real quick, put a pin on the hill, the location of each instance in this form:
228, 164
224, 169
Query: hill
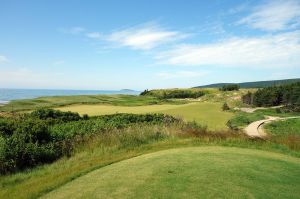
258, 84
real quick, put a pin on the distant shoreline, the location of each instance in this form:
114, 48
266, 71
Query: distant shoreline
7, 95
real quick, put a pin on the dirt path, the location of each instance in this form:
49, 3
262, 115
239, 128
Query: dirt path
255, 129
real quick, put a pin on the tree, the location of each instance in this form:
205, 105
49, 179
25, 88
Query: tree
145, 92
248, 98
230, 87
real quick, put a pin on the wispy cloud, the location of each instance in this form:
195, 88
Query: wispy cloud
144, 37
3, 59
58, 62
281, 50
274, 16
17, 77
181, 74
94, 35
72, 30
239, 8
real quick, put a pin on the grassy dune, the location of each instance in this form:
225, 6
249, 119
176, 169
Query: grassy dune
199, 172
57, 101
205, 113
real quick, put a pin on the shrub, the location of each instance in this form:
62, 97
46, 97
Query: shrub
225, 107
45, 114
30, 139
174, 93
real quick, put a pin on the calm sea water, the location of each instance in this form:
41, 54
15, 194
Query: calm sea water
7, 95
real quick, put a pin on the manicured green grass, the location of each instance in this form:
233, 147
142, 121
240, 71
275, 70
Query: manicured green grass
55, 101
101, 109
284, 128
204, 113
199, 172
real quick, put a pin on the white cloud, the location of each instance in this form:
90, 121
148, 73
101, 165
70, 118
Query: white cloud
73, 30
181, 74
94, 35
146, 37
281, 50
274, 16
3, 59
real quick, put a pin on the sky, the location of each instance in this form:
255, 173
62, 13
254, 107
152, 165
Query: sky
142, 44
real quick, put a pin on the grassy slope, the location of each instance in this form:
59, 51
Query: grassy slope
56, 101
210, 172
205, 113
284, 128
105, 149
93, 110
258, 84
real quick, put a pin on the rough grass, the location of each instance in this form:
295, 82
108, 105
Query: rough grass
204, 113
107, 148
199, 172
284, 128
242, 119
56, 101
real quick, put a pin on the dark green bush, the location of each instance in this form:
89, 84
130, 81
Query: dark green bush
225, 107
175, 93
55, 114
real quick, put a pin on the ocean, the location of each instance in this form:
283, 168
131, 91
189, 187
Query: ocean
7, 95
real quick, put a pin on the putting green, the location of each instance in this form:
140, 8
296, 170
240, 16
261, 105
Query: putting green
196, 172
205, 113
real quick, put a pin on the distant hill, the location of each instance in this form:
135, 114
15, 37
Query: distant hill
128, 90
258, 84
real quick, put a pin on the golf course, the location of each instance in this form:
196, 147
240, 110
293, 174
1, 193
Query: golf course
197, 172
209, 114
166, 143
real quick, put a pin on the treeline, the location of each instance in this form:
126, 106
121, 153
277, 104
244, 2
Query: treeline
45, 135
230, 87
287, 95
174, 93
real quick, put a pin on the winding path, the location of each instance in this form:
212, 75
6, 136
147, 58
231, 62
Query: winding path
255, 129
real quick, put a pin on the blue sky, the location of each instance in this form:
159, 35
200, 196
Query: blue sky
139, 44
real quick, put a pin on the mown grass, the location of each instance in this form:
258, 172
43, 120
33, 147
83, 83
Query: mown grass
93, 110
204, 113
106, 148
194, 172
57, 101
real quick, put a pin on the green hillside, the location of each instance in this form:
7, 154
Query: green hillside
258, 84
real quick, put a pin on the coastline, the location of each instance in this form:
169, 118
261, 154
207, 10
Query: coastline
7, 95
